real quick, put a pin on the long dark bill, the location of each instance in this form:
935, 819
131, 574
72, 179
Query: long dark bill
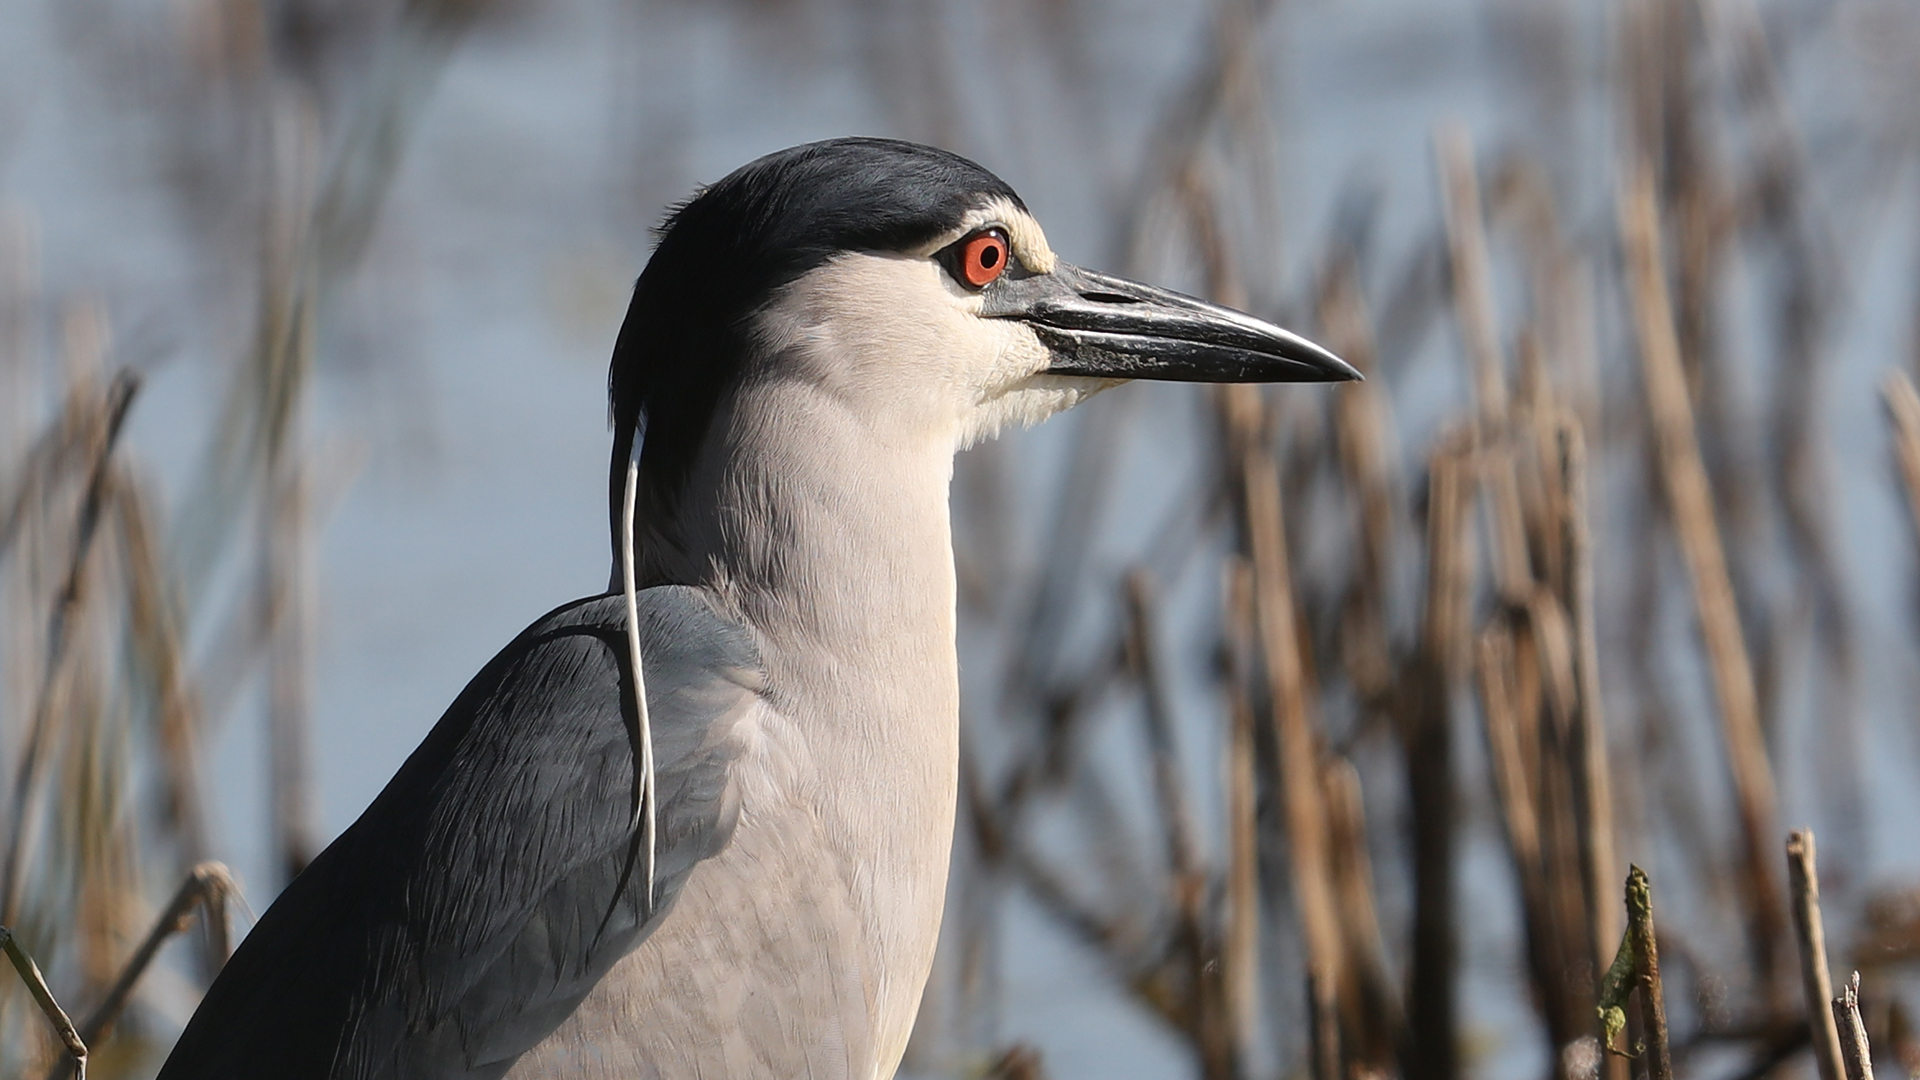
1111, 328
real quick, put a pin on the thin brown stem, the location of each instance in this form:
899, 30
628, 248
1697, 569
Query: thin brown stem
1472, 277
1595, 770
1690, 501
1370, 995
1646, 973
112, 415
1240, 949
1176, 814
207, 887
1803, 881
1295, 740
1429, 1052
1854, 1051
1204, 1008
1473, 306
1365, 443
37, 986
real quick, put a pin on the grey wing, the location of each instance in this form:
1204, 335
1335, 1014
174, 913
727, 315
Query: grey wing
498, 876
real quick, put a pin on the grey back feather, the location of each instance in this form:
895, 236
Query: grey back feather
498, 877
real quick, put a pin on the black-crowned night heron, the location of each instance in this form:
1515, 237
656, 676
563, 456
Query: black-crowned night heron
698, 826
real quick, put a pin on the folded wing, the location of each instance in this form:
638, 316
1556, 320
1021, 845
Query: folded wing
499, 875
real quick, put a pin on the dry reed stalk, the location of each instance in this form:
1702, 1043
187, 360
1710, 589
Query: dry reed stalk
1222, 87
208, 888
316, 231
84, 744
1593, 766
69, 438
1323, 1027
1472, 275
1473, 307
1780, 204
37, 985
1036, 685
1417, 298
1658, 130
1532, 770
1666, 131
1535, 422
1854, 1051
1176, 812
287, 591
1136, 958
285, 365
1536, 687
1364, 441
1427, 721
1511, 775
1783, 212
107, 415
1560, 315
1240, 946
1370, 993
1179, 967
1903, 414
1804, 882
1690, 502
1217, 265
155, 632
1295, 737
1646, 973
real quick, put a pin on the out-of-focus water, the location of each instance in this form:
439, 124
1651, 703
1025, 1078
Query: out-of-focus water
460, 415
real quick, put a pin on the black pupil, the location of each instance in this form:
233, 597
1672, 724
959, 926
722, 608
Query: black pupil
989, 255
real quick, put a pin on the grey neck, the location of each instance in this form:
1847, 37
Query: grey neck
826, 529
828, 534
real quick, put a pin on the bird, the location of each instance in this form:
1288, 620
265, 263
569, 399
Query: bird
699, 825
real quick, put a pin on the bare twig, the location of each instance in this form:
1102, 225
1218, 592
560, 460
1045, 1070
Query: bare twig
23, 821
1296, 743
1472, 278
1368, 454
1240, 947
1646, 971
1473, 305
1208, 1020
37, 985
1636, 966
286, 591
1512, 782
207, 887
1854, 1050
1595, 772
1691, 503
1175, 814
1804, 882
155, 630
1370, 995
1427, 719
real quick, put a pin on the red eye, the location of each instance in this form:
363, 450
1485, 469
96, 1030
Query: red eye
984, 257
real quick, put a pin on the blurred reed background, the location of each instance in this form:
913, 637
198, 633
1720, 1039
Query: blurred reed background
1307, 732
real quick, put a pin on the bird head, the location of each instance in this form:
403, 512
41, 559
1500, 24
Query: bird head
910, 286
